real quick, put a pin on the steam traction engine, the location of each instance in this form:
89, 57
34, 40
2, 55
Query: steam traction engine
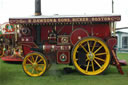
83, 41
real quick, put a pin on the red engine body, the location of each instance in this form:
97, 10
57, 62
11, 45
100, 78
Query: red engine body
59, 34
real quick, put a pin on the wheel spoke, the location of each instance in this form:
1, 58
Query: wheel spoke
92, 66
41, 64
33, 70
29, 68
100, 59
36, 59
88, 46
32, 58
87, 66
93, 46
39, 69
98, 49
29, 60
40, 60
87, 59
97, 63
83, 48
100, 54
36, 71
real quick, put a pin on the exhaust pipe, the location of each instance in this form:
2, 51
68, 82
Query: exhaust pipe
37, 7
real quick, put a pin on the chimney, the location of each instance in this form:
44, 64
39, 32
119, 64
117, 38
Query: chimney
37, 7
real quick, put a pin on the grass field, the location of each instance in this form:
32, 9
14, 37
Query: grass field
12, 74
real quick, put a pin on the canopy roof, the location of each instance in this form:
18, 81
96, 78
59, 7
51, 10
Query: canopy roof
64, 19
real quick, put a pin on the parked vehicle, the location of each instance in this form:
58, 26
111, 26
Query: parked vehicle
85, 41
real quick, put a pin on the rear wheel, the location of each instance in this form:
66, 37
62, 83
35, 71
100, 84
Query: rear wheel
91, 56
35, 64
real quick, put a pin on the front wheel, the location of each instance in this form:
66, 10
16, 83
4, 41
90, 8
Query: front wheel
91, 56
35, 64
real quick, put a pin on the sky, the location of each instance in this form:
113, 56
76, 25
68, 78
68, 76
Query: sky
24, 8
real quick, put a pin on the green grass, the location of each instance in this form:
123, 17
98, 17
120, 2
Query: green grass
12, 74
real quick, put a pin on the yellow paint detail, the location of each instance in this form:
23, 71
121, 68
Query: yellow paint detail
92, 66
34, 64
87, 66
100, 54
93, 46
84, 48
99, 59
96, 60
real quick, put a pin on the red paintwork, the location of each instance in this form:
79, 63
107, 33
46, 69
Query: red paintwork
72, 27
67, 53
98, 30
112, 42
88, 29
10, 58
26, 49
63, 40
78, 34
54, 48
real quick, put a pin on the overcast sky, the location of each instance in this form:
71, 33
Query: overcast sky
23, 8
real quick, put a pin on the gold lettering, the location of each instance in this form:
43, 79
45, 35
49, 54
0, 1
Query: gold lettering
99, 19
68, 20
109, 19
34, 20
118, 18
50, 20
17, 21
45, 20
102, 19
93, 19
29, 21
59, 20
54, 20
63, 20
96, 19
73, 19
87, 19
106, 19
112, 19
37, 20
41, 20
80, 19
21, 21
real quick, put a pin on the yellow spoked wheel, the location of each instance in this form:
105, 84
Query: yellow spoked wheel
1, 52
91, 56
35, 64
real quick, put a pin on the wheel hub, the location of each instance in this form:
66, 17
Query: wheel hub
35, 65
91, 56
